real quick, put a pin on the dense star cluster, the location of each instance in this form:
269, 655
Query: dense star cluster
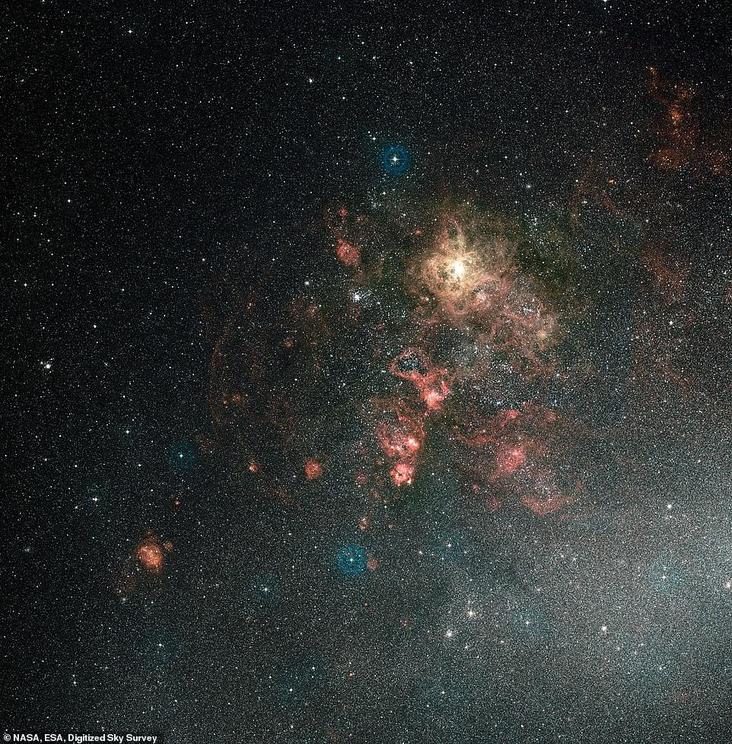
369, 372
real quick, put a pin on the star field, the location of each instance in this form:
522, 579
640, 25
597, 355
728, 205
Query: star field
368, 372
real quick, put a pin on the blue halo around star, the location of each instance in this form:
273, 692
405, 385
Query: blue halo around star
395, 160
182, 456
351, 560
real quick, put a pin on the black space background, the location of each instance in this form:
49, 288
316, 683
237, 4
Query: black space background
151, 151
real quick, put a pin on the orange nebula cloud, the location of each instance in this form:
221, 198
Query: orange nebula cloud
683, 144
348, 253
402, 474
431, 382
512, 455
401, 436
150, 553
669, 275
509, 458
313, 468
470, 279
547, 498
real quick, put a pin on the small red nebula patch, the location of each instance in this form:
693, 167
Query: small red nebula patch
147, 559
348, 253
546, 498
509, 458
431, 381
313, 469
372, 564
151, 554
669, 276
545, 504
493, 504
401, 438
234, 399
396, 442
375, 495
434, 393
402, 474
506, 416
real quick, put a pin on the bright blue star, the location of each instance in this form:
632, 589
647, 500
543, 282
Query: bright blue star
395, 160
182, 456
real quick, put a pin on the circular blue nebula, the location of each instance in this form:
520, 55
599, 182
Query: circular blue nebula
351, 560
395, 160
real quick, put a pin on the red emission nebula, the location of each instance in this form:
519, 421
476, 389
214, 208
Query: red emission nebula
430, 340
462, 278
